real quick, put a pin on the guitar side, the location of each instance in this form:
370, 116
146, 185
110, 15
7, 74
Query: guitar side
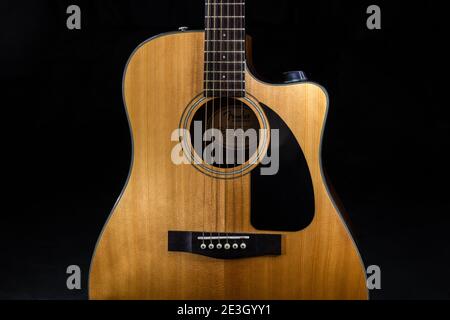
131, 260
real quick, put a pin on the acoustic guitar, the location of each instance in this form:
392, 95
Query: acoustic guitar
226, 196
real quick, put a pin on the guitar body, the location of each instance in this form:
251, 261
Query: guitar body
132, 260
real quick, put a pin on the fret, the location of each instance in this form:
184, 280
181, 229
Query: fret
225, 47
221, 51
214, 90
224, 93
225, 81
220, 77
232, 86
230, 62
225, 29
238, 76
225, 4
225, 17
226, 65
224, 22
224, 77
218, 20
216, 71
222, 56
226, 40
213, 35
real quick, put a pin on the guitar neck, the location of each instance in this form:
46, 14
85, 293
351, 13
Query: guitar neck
224, 48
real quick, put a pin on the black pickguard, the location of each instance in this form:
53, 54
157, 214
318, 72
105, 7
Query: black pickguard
285, 201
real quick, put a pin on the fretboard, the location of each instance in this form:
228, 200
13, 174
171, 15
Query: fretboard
225, 48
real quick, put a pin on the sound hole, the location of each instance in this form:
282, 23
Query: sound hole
225, 132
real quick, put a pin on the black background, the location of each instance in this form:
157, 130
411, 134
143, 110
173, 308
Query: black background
67, 147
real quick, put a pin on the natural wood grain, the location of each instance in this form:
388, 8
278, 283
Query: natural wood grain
131, 260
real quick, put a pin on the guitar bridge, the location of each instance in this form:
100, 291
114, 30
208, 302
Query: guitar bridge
225, 245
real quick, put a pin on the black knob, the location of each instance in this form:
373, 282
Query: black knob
294, 76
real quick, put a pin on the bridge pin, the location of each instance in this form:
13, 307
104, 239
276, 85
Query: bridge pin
243, 246
235, 246
211, 246
227, 246
203, 246
219, 246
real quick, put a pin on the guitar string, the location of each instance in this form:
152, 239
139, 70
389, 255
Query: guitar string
213, 118
227, 49
242, 83
234, 117
213, 101
205, 123
219, 181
